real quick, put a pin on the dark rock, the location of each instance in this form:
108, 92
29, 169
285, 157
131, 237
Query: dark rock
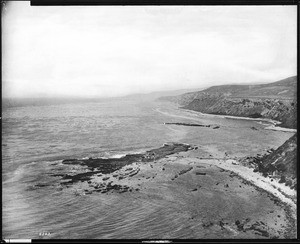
207, 224
42, 185
255, 115
239, 225
289, 183
200, 173
187, 124
184, 171
221, 223
67, 161
282, 179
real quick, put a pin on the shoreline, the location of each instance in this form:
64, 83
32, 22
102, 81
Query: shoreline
273, 187
274, 123
279, 190
188, 180
280, 194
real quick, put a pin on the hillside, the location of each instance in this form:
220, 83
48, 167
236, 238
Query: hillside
281, 163
277, 100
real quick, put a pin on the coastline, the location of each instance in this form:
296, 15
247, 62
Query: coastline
273, 122
171, 191
197, 177
184, 178
281, 194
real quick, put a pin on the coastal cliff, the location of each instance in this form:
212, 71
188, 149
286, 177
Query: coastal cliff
280, 163
275, 101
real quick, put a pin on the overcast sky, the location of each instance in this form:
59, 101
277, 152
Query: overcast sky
117, 50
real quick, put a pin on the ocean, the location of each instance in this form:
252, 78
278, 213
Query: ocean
35, 139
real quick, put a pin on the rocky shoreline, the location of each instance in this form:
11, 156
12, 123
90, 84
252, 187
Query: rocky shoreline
105, 166
138, 175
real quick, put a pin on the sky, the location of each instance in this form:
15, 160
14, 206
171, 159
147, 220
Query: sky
107, 51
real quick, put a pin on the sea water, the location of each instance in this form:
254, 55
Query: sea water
35, 139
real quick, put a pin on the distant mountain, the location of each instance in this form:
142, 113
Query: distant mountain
156, 95
276, 100
23, 102
43, 101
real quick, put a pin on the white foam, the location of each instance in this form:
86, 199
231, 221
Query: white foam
118, 155
272, 127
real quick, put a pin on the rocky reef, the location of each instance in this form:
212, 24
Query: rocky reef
193, 124
105, 166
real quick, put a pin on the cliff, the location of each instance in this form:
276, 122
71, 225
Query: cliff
281, 163
275, 100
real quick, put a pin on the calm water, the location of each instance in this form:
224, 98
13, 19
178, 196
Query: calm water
36, 139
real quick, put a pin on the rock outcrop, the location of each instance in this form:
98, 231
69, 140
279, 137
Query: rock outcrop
109, 165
